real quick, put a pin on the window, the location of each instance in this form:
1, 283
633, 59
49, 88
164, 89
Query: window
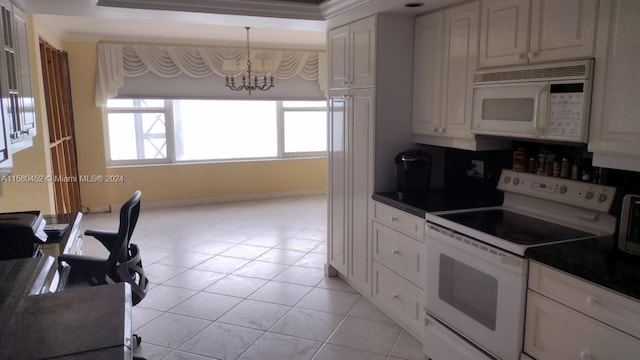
144, 131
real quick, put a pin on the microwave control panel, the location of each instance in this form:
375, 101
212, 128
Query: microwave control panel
566, 110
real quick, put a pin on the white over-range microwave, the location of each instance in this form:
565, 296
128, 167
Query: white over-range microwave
546, 101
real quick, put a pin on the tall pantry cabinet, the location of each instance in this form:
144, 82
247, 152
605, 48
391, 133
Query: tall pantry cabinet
369, 122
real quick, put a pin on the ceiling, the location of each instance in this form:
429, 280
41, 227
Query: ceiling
275, 23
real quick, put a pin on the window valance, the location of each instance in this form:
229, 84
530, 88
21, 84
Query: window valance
117, 61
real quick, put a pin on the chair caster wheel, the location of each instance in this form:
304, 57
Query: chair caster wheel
137, 339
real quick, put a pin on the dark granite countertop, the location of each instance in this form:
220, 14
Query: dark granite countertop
596, 260
437, 200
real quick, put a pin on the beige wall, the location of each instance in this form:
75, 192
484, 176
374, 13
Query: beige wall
171, 183
36, 160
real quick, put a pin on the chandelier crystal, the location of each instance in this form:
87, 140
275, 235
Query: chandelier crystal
254, 76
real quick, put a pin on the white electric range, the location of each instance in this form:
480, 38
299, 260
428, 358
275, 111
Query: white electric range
476, 267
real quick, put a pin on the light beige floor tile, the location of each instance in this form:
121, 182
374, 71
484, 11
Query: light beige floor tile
180, 355
280, 293
333, 352
301, 275
264, 240
365, 335
245, 251
277, 346
171, 330
212, 247
407, 347
331, 301
222, 264
319, 235
151, 351
194, 279
158, 273
308, 324
186, 259
206, 305
281, 256
298, 244
254, 314
239, 286
364, 309
261, 270
313, 260
222, 341
164, 297
143, 315
335, 283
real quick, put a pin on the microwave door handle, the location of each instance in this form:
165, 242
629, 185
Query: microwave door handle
540, 118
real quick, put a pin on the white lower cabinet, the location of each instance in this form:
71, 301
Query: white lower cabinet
569, 318
398, 266
555, 331
398, 298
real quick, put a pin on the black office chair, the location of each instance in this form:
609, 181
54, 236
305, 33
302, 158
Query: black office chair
124, 263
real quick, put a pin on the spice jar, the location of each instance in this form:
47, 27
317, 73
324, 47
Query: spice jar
564, 168
519, 160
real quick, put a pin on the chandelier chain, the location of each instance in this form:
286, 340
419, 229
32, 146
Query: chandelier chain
250, 81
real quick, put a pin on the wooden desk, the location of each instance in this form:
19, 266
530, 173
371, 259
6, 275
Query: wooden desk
86, 323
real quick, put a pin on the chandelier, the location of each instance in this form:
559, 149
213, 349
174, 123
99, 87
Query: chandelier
254, 75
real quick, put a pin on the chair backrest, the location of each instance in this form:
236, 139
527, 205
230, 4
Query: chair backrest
124, 263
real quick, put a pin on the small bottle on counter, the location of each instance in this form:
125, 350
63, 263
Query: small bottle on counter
532, 165
564, 168
549, 164
519, 160
541, 166
557, 165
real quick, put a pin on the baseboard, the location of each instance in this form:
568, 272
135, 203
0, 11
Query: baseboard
99, 209
224, 199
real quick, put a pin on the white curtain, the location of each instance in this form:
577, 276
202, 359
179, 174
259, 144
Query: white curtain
117, 61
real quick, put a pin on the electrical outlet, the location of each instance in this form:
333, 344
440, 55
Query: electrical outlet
477, 168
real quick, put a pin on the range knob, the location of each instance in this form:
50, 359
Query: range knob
516, 181
589, 195
507, 179
563, 189
602, 198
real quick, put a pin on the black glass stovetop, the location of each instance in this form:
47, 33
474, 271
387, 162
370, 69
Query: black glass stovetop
514, 227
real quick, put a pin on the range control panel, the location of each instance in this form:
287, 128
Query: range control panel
579, 193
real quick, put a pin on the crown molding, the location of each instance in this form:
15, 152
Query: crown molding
231, 7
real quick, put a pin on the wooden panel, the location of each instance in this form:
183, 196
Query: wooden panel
61, 134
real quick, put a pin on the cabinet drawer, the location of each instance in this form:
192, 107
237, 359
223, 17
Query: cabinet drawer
602, 304
398, 252
556, 332
400, 220
398, 298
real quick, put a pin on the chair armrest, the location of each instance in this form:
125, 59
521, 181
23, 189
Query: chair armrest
92, 269
106, 238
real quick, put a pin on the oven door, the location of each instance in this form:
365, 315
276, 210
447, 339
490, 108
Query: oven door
517, 109
476, 290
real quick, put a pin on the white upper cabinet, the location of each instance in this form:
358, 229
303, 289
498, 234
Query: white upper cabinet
614, 135
516, 32
427, 70
445, 56
352, 51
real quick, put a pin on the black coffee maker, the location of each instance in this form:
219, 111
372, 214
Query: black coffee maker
413, 174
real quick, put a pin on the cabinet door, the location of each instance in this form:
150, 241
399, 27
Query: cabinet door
504, 35
337, 182
460, 51
427, 70
362, 56
26, 105
361, 103
556, 332
562, 29
338, 41
614, 133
